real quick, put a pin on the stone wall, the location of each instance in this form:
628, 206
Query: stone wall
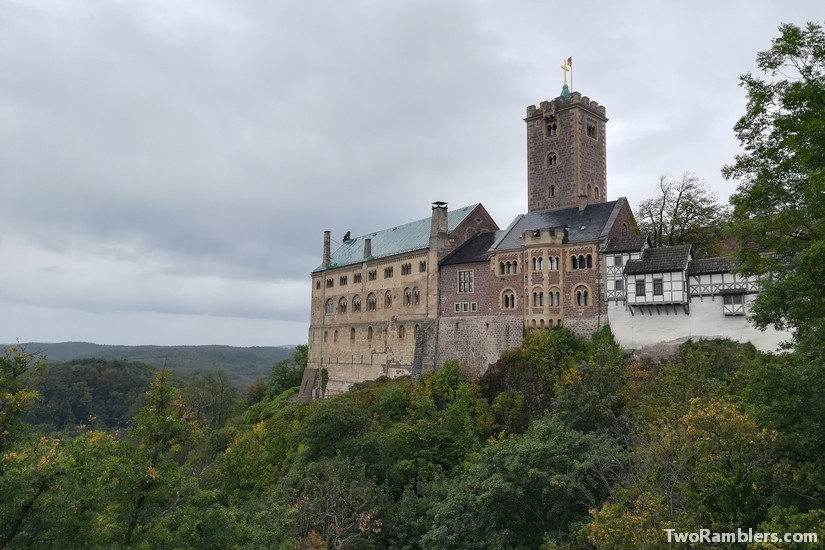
477, 342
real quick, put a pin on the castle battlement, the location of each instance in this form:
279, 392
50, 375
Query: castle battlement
560, 103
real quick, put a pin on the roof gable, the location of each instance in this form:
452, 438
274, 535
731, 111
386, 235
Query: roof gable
722, 264
626, 243
660, 260
476, 249
583, 225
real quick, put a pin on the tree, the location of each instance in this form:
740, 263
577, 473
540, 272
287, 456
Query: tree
287, 373
684, 211
15, 363
779, 206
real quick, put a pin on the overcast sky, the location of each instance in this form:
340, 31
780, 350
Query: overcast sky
168, 167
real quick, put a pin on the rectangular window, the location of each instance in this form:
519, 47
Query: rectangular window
465, 282
640, 288
473, 306
457, 307
657, 287
732, 299
618, 260
465, 307
618, 284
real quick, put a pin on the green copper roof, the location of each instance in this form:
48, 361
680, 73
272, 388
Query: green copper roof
395, 240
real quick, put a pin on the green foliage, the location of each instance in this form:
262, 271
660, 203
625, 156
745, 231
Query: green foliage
335, 502
287, 373
332, 426
243, 365
15, 397
97, 392
779, 206
393, 404
522, 488
570, 444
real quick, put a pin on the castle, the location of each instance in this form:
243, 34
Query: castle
456, 286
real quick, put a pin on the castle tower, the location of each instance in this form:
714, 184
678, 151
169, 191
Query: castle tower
566, 153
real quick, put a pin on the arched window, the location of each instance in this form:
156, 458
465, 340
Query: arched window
551, 191
326, 336
416, 296
538, 298
401, 332
352, 334
589, 189
515, 266
369, 334
415, 331
596, 192
552, 159
541, 323
407, 297
329, 307
624, 229
589, 260
388, 299
501, 268
356, 303
537, 263
575, 262
582, 296
335, 336
508, 299
371, 302
342, 305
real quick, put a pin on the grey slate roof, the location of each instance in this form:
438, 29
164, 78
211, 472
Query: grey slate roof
395, 240
660, 260
476, 249
712, 265
590, 224
626, 243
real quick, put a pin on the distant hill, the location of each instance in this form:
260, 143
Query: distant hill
243, 365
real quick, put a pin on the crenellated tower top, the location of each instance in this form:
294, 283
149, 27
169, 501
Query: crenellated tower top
566, 153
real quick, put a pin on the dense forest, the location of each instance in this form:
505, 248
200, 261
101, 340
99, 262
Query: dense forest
563, 443
243, 365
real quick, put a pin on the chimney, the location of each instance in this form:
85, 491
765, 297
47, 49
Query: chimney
439, 220
367, 248
327, 254
582, 202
